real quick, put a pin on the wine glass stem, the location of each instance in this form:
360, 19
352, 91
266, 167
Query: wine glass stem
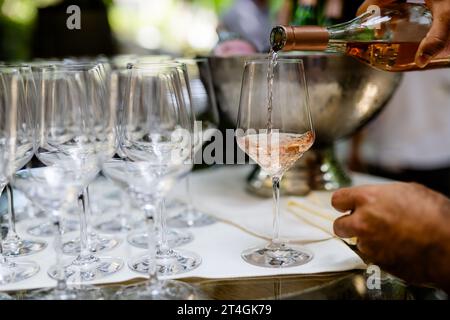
163, 247
276, 210
89, 218
61, 284
190, 200
2, 257
11, 213
84, 250
152, 274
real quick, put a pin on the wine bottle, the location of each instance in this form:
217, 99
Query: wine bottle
305, 13
386, 38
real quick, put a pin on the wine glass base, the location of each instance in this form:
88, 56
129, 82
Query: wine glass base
47, 229
11, 272
22, 247
276, 256
175, 238
173, 263
191, 219
87, 268
70, 293
160, 290
4, 296
117, 225
96, 243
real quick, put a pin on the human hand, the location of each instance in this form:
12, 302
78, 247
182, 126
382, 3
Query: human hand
403, 227
438, 38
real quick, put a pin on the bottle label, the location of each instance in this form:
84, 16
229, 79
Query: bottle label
374, 21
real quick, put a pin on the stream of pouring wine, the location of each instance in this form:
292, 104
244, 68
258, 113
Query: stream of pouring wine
270, 75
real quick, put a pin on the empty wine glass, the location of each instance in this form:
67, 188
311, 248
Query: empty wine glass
156, 136
18, 86
120, 220
48, 90
54, 189
206, 120
174, 237
275, 128
13, 135
77, 131
96, 242
46, 228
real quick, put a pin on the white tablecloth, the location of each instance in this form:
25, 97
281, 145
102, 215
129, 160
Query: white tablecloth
245, 222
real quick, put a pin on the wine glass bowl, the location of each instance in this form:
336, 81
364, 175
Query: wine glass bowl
275, 129
146, 183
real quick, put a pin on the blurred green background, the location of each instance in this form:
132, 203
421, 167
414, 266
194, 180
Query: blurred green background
180, 27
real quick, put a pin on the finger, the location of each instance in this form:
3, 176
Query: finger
438, 37
380, 3
344, 227
343, 200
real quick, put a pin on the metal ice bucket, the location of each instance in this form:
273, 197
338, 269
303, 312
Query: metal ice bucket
344, 94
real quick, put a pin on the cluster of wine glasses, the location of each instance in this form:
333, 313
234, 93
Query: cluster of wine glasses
130, 119
139, 122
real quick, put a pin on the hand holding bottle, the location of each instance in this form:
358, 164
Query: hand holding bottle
400, 36
437, 39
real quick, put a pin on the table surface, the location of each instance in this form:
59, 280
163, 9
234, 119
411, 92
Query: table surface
339, 285
349, 285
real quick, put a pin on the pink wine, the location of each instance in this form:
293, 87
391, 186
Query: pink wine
276, 152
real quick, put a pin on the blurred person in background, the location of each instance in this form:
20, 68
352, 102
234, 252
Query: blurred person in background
244, 28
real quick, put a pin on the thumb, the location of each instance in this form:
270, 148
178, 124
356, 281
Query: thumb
438, 37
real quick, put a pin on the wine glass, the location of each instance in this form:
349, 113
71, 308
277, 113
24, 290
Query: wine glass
121, 219
77, 132
156, 136
46, 227
17, 84
96, 242
206, 120
275, 128
54, 189
174, 237
14, 132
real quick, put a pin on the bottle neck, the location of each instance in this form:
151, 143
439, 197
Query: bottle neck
288, 38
